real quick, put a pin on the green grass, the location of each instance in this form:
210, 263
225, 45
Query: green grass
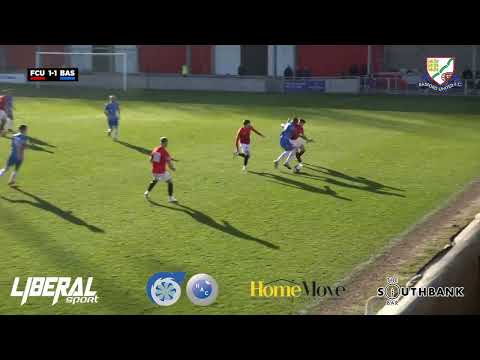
81, 212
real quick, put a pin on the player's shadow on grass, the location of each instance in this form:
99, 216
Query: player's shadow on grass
225, 227
140, 149
36, 144
364, 184
65, 261
35, 147
300, 185
47, 206
39, 142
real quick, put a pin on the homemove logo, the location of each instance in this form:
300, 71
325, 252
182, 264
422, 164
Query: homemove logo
291, 289
74, 292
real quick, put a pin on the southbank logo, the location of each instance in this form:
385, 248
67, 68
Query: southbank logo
440, 74
290, 289
393, 292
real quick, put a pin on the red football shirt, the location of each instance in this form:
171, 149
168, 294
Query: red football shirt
3, 102
298, 131
244, 135
160, 156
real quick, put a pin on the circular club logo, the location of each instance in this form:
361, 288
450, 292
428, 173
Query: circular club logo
202, 289
164, 288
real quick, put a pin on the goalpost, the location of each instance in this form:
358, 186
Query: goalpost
123, 55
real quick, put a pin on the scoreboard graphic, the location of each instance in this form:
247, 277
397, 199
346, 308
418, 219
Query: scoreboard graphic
52, 74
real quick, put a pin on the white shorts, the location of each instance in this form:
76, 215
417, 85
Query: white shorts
9, 124
3, 120
298, 143
166, 176
245, 148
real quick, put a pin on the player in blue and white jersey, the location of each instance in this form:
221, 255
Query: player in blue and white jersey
112, 111
286, 144
15, 160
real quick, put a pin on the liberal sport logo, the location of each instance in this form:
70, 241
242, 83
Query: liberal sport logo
74, 292
164, 288
440, 74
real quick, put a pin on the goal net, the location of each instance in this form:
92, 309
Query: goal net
96, 69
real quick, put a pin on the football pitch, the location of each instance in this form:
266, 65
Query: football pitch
377, 166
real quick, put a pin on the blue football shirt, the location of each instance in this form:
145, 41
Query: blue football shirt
112, 110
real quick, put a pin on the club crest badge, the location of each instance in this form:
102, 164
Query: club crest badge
440, 74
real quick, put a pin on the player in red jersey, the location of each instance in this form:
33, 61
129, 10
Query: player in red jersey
243, 138
299, 139
160, 158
